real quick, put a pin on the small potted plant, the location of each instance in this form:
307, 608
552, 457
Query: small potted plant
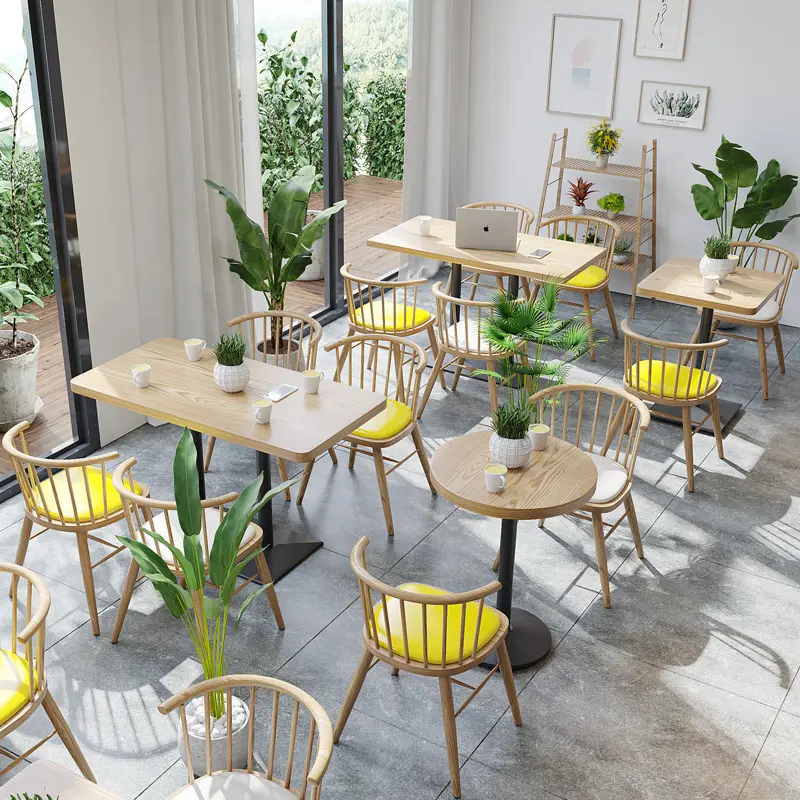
565, 237
593, 237
579, 191
230, 372
623, 250
603, 141
717, 260
612, 203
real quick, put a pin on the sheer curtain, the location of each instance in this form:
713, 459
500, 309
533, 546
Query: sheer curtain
435, 169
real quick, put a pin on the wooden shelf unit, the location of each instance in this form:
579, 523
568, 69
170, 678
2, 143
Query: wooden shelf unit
643, 227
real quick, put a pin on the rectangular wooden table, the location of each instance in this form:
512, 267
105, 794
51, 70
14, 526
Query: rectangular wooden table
744, 291
182, 392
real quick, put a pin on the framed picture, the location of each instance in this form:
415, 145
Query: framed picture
661, 28
674, 105
584, 53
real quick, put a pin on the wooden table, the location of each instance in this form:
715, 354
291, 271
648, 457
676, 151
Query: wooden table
744, 291
184, 393
48, 778
555, 481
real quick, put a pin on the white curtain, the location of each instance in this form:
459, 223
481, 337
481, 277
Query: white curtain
435, 170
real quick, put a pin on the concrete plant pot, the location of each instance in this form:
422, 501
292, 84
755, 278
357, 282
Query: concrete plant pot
601, 160
195, 719
18, 383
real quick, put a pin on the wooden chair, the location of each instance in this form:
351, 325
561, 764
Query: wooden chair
595, 278
263, 326
767, 258
252, 783
75, 496
679, 375
432, 632
461, 340
23, 680
161, 516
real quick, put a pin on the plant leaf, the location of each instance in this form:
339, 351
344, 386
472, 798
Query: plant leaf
187, 485
316, 228
769, 230
156, 570
706, 202
6, 99
717, 184
736, 166
749, 215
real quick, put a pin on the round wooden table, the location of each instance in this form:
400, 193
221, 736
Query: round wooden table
555, 481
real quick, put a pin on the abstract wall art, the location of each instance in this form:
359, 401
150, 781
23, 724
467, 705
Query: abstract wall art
584, 53
673, 105
661, 28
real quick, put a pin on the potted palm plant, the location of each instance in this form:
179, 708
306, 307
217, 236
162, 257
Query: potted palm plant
603, 141
268, 263
579, 191
522, 330
205, 614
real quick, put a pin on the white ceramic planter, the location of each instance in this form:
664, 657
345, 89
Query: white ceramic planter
717, 267
511, 453
231, 379
18, 383
612, 214
578, 211
620, 259
601, 159
195, 721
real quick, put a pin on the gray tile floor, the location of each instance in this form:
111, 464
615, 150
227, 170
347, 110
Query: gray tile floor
684, 689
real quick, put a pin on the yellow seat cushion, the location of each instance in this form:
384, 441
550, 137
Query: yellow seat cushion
14, 684
646, 377
390, 317
589, 278
490, 624
389, 422
86, 504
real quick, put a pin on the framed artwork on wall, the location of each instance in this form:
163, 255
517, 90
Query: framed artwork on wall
661, 28
673, 105
584, 53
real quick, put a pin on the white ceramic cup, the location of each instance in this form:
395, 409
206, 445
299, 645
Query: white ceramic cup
495, 475
710, 284
141, 375
539, 434
194, 348
262, 410
311, 380
425, 225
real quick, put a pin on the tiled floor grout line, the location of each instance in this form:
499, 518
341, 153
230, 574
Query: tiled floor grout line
157, 779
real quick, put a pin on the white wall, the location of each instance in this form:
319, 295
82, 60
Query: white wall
742, 51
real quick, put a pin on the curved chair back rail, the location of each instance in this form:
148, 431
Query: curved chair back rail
397, 365
663, 357
606, 232
524, 213
53, 509
319, 736
299, 337
767, 258
383, 646
601, 420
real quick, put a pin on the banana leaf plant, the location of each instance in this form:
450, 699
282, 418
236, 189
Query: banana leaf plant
268, 263
719, 201
204, 615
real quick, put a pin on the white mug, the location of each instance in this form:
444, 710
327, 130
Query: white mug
311, 380
141, 375
194, 348
539, 434
495, 475
425, 225
262, 410
710, 284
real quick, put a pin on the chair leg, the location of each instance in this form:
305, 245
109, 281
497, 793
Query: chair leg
687, 445
332, 454
457, 374
423, 457
611, 315
535, 293
496, 562
24, 541
65, 734
762, 361
474, 288
717, 426
526, 288
634, 281
351, 462
352, 693
587, 312
287, 492
212, 440
435, 353
602, 563
490, 365
508, 680
450, 735
266, 580
373, 356
125, 599
436, 372
301, 493
633, 521
776, 332
88, 580
383, 487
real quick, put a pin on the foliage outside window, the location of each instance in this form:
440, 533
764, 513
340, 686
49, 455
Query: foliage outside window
385, 105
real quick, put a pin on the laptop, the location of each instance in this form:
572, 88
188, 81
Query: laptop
486, 229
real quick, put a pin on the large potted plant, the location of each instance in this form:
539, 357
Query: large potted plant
203, 604
19, 351
268, 263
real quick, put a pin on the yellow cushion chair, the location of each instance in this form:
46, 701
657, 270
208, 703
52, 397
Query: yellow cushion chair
388, 423
590, 277
15, 685
390, 317
678, 381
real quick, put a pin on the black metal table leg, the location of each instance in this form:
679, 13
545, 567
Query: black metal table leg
455, 290
704, 336
513, 286
197, 438
529, 639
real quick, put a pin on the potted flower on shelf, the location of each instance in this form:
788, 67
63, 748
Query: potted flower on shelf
203, 603
603, 141
717, 260
230, 372
623, 250
522, 330
579, 192
612, 203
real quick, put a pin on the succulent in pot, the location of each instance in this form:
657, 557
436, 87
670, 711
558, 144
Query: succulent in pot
623, 250
230, 372
579, 192
612, 203
603, 140
510, 443
717, 260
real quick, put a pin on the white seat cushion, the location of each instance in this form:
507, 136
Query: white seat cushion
159, 525
465, 337
233, 786
611, 478
769, 310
